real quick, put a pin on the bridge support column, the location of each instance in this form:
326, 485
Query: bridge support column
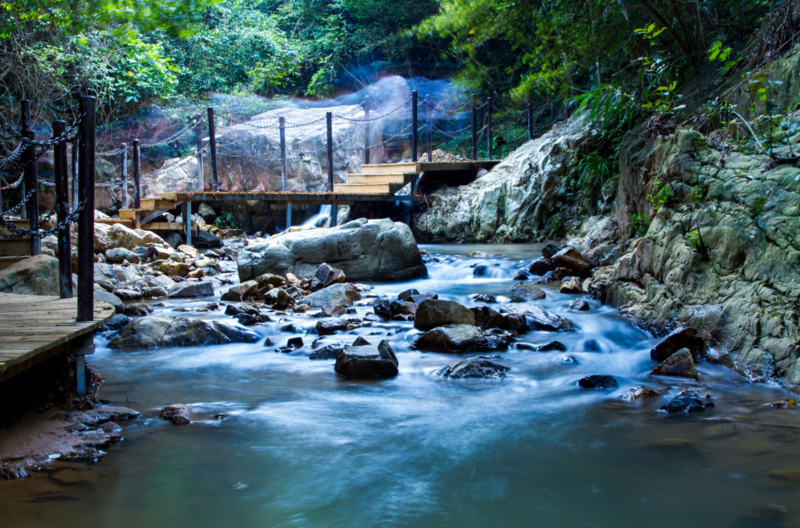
288, 214
334, 213
84, 345
187, 221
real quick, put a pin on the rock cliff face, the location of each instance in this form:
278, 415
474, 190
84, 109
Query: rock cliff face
513, 202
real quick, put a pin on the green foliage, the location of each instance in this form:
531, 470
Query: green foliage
692, 239
718, 53
660, 196
225, 221
757, 207
640, 223
593, 171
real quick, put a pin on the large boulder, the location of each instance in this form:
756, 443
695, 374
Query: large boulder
452, 339
363, 249
33, 276
342, 294
110, 298
367, 361
432, 313
474, 368
570, 258
683, 338
163, 331
539, 319
526, 292
680, 364
191, 290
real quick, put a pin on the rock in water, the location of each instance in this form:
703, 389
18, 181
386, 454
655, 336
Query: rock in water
539, 319
241, 291
683, 338
570, 258
33, 276
330, 326
578, 305
452, 338
364, 250
367, 361
191, 290
640, 392
325, 276
432, 313
475, 368
541, 266
163, 331
687, 401
343, 294
570, 286
110, 298
598, 382
327, 352
526, 292
177, 413
680, 364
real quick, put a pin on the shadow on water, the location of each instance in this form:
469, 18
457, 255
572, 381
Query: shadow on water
302, 447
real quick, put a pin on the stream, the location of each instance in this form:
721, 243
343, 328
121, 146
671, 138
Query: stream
305, 447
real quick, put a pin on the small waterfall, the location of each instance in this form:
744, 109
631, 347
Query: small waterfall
318, 220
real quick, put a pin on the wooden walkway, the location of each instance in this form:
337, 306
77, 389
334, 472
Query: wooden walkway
34, 328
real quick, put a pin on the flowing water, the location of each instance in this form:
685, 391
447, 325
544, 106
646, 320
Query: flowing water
303, 447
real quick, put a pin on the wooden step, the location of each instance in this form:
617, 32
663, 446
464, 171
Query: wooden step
376, 178
12, 247
163, 226
7, 262
154, 204
389, 168
362, 188
111, 221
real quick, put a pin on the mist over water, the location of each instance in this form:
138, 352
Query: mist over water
303, 447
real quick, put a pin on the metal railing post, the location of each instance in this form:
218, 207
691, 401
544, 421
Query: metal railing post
86, 216
198, 142
74, 172
474, 134
212, 143
414, 126
125, 197
24, 128
137, 180
282, 127
62, 202
489, 152
32, 182
366, 129
429, 138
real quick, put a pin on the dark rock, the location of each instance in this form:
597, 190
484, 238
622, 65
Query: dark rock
367, 361
539, 319
578, 305
552, 345
247, 319
550, 250
111, 299
687, 401
277, 298
591, 345
541, 266
570, 258
137, 310
240, 292
294, 292
404, 309
452, 338
327, 352
330, 326
205, 240
432, 313
178, 414
325, 276
639, 393
360, 341
475, 368
12, 472
418, 299
285, 349
497, 339
406, 295
521, 277
117, 255
683, 338
191, 290
485, 317
485, 298
680, 364
128, 294
232, 310
480, 270
334, 310
164, 331
527, 292
598, 382
296, 342
343, 294
116, 322
382, 308
517, 323
572, 285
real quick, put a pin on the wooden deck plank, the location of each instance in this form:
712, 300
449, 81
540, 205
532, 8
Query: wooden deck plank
37, 327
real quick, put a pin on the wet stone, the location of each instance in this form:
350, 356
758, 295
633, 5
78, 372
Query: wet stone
485, 298
406, 295
474, 368
177, 413
578, 305
326, 352
687, 401
331, 326
596, 381
295, 342
367, 361
527, 292
640, 392
547, 347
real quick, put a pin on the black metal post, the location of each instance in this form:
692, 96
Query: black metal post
212, 143
489, 129
530, 121
62, 202
334, 213
74, 172
282, 127
198, 130
329, 122
552, 113
414, 126
32, 182
474, 134
137, 177
429, 124
24, 128
125, 197
86, 216
366, 130
187, 221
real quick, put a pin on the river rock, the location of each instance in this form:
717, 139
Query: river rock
325, 276
526, 292
598, 382
570, 286
343, 294
163, 331
206, 240
486, 317
118, 255
432, 313
640, 392
453, 338
687, 401
191, 290
485, 298
330, 326
547, 347
177, 413
407, 294
138, 310
270, 281
680, 364
327, 352
36, 275
188, 250
119, 236
174, 269
570, 258
578, 305
117, 321
364, 250
539, 319
685, 338
334, 310
382, 308
240, 292
367, 361
278, 298
110, 298
541, 266
474, 368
